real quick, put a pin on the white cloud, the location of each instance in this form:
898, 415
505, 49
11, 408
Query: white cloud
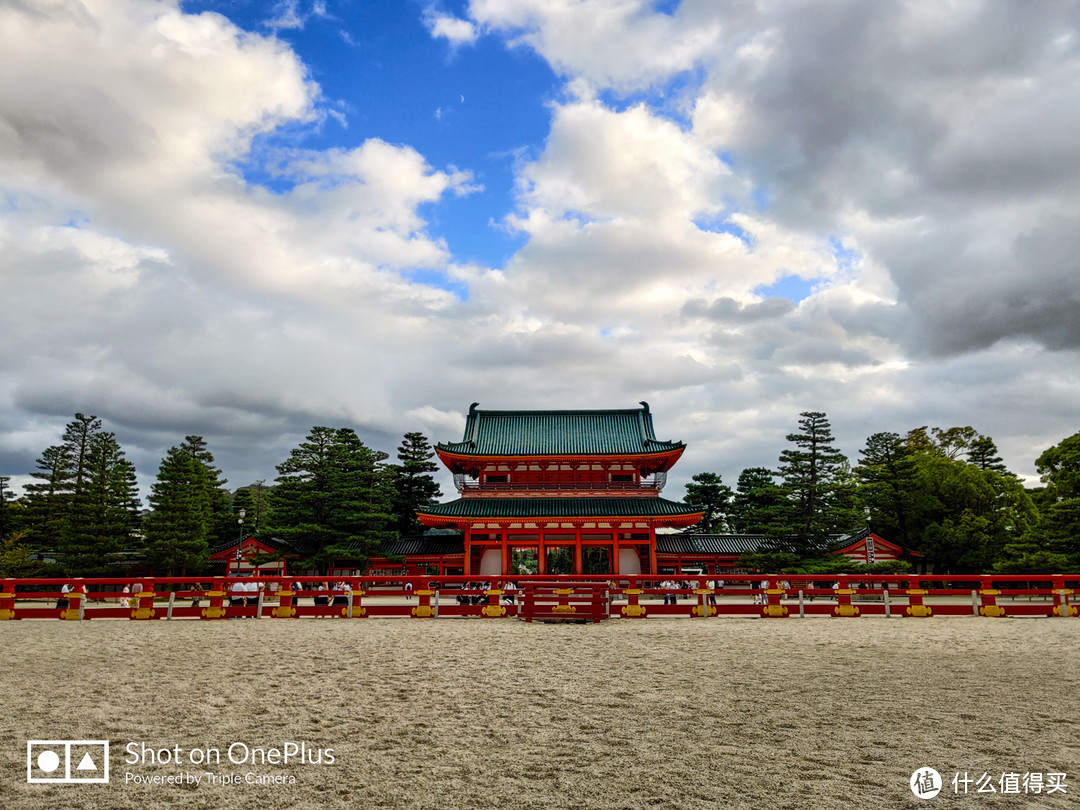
620, 44
454, 30
912, 165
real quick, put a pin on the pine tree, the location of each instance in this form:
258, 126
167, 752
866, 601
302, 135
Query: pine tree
178, 527
7, 510
414, 485
61, 477
104, 511
709, 491
334, 498
816, 482
49, 498
759, 504
888, 486
983, 453
222, 526
254, 500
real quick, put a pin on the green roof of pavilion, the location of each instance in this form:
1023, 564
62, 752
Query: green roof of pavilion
560, 433
528, 508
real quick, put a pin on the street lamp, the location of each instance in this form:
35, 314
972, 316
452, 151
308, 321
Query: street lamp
239, 546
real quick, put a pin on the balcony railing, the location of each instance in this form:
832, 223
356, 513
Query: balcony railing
654, 484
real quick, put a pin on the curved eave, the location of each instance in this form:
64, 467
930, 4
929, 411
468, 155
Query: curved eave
664, 521
458, 462
656, 512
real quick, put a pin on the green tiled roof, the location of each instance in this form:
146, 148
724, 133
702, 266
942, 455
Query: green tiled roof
559, 507
737, 543
708, 543
433, 545
571, 433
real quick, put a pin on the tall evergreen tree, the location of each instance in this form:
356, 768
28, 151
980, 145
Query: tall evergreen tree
104, 511
333, 498
758, 505
983, 453
49, 498
254, 500
888, 487
222, 528
178, 528
816, 480
414, 484
61, 476
7, 511
708, 490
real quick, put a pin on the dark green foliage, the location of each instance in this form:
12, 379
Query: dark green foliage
8, 512
49, 498
888, 487
964, 516
983, 453
414, 485
178, 527
334, 499
223, 526
1054, 545
255, 502
829, 565
759, 505
709, 491
818, 486
104, 509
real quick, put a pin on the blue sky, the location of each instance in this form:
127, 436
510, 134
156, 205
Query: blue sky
241, 219
382, 76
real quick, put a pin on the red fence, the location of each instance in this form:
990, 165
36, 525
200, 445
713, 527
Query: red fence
547, 598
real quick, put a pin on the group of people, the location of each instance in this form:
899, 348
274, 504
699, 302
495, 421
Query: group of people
509, 595
245, 592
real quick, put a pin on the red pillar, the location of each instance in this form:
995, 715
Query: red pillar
577, 551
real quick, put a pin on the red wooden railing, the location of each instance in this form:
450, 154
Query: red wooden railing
535, 598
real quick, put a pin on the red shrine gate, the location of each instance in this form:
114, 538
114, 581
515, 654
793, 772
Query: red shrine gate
560, 492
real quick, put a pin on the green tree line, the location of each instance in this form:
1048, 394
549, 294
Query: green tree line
334, 498
942, 494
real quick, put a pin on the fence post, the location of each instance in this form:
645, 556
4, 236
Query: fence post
989, 594
355, 609
885, 598
633, 609
425, 610
216, 594
285, 609
172, 599
7, 605
493, 609
703, 608
144, 605
844, 608
773, 608
916, 609
1061, 599
528, 603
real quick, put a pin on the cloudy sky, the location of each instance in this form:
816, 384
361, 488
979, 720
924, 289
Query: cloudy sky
240, 219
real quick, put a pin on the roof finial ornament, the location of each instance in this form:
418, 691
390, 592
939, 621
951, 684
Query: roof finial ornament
472, 409
644, 405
